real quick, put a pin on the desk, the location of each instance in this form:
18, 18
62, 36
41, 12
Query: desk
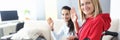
7, 25
7, 28
1, 32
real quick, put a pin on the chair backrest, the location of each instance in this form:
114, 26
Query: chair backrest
19, 26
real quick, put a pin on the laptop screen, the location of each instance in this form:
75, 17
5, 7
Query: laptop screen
8, 15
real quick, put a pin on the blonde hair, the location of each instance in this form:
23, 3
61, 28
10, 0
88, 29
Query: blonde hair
97, 9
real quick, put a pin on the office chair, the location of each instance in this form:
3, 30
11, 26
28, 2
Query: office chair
18, 27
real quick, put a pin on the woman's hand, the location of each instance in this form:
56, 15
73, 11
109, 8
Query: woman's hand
73, 15
51, 23
74, 18
71, 37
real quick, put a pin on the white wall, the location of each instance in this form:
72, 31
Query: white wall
51, 9
41, 10
105, 5
70, 3
20, 6
37, 7
115, 8
115, 11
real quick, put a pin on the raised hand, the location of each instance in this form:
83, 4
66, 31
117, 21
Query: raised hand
74, 16
51, 23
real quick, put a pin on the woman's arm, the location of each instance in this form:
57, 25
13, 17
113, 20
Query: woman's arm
76, 25
56, 36
74, 19
72, 38
50, 23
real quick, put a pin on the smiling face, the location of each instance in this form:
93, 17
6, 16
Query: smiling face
66, 15
87, 7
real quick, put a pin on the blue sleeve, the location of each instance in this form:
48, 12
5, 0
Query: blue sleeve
57, 36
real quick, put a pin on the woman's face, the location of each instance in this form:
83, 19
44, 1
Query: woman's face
66, 15
87, 7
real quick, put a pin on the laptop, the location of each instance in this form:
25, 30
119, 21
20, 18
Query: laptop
8, 17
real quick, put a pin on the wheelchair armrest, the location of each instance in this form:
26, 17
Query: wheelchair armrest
109, 35
114, 34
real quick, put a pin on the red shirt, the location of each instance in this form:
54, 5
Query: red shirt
94, 26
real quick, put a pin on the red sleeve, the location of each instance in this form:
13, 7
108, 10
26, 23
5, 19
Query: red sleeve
96, 31
78, 33
106, 20
101, 24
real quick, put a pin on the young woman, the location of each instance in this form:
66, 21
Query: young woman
67, 29
95, 22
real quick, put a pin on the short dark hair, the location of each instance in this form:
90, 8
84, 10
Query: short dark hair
66, 7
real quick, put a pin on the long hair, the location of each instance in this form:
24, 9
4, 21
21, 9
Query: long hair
71, 26
70, 23
97, 9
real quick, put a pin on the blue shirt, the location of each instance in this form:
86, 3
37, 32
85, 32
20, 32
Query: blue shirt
64, 31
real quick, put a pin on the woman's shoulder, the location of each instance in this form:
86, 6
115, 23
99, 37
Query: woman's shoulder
103, 15
105, 19
64, 26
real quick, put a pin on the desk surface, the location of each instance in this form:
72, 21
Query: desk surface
7, 25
